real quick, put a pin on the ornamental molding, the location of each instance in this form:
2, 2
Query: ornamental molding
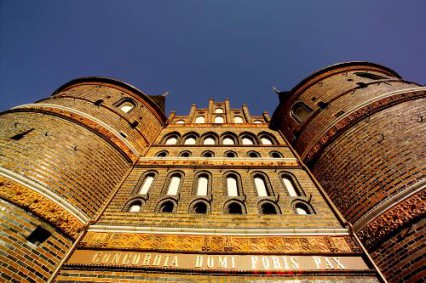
221, 243
385, 101
395, 218
95, 125
41, 205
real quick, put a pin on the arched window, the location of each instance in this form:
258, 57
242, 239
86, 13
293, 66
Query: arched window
200, 207
302, 209
202, 185
235, 208
162, 154
253, 154
247, 140
180, 122
260, 184
219, 110
238, 119
219, 119
207, 154
190, 140
147, 183
232, 185
127, 106
258, 122
228, 141
275, 154
266, 140
209, 141
301, 112
268, 208
200, 119
135, 207
167, 207
171, 140
290, 187
230, 154
185, 154
174, 184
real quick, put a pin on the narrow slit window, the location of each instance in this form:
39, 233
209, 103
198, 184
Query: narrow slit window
126, 106
260, 185
232, 186
202, 185
173, 186
290, 187
147, 183
370, 76
38, 236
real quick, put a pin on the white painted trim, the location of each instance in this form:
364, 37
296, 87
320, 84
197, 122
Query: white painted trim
221, 231
45, 192
85, 115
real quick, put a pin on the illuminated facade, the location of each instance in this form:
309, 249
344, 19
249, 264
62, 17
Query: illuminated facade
97, 185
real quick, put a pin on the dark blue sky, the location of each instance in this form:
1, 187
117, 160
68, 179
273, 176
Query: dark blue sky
202, 49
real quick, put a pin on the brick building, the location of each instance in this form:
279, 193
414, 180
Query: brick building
98, 185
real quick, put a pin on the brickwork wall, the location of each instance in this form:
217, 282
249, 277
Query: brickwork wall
22, 261
64, 157
83, 98
405, 252
375, 159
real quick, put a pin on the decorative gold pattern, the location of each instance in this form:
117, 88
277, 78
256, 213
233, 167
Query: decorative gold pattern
220, 163
393, 219
220, 243
40, 206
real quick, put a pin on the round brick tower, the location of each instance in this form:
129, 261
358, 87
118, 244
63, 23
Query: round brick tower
61, 161
361, 129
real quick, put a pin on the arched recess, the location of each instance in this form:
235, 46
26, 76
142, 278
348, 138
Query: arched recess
291, 185
199, 206
238, 119
248, 139
302, 207
276, 154
171, 139
232, 184
173, 184
262, 184
167, 205
230, 154
253, 154
163, 153
266, 207
219, 119
200, 119
209, 139
145, 183
267, 139
185, 153
190, 138
134, 205
202, 184
234, 206
126, 105
207, 153
228, 139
